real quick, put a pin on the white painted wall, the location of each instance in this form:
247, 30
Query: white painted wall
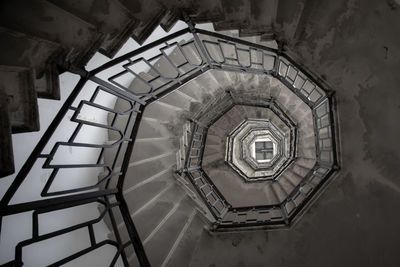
18, 227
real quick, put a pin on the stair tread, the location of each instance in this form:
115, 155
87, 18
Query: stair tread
169, 20
111, 18
148, 24
139, 174
234, 18
161, 112
18, 85
63, 28
153, 129
184, 251
280, 193
27, 51
161, 243
146, 150
148, 219
6, 155
136, 199
176, 99
36, 54
286, 184
208, 11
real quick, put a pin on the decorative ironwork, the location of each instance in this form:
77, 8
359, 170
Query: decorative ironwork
195, 52
232, 54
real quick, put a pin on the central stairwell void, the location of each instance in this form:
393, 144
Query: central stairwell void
179, 160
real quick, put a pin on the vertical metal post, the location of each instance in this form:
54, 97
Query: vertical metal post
197, 40
26, 168
133, 234
275, 71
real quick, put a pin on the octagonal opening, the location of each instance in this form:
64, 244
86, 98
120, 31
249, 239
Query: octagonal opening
244, 125
263, 150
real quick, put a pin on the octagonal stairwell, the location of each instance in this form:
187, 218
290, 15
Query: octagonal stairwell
349, 45
163, 112
163, 205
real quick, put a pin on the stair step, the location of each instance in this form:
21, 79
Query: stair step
36, 54
120, 123
177, 99
191, 52
6, 155
233, 117
300, 170
146, 172
109, 17
305, 163
261, 24
44, 20
152, 216
159, 246
141, 84
184, 249
194, 90
147, 193
182, 57
226, 124
145, 198
161, 112
214, 140
287, 185
217, 131
237, 113
169, 20
158, 212
153, 129
147, 25
243, 111
306, 152
208, 11
295, 178
235, 18
223, 79
306, 137
209, 83
48, 86
271, 195
28, 51
110, 154
279, 192
287, 11
18, 84
211, 158
112, 45
146, 150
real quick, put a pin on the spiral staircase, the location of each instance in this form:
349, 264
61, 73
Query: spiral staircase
164, 187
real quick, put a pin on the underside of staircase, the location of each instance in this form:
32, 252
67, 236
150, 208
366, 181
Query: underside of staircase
174, 225
48, 36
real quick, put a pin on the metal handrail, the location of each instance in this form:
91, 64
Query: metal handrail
109, 194
291, 76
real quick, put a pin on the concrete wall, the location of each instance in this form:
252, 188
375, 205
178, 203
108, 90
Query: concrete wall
354, 47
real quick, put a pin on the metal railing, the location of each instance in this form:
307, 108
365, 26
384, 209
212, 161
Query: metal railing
189, 53
290, 151
230, 54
